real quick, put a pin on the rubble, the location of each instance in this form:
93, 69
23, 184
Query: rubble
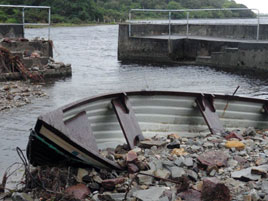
17, 94
159, 173
29, 60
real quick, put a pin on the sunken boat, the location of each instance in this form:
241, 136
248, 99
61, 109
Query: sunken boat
74, 134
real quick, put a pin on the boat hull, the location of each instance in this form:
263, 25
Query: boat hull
156, 112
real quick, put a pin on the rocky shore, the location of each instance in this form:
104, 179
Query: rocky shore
17, 94
224, 167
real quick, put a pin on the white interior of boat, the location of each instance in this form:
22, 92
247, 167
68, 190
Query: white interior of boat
166, 114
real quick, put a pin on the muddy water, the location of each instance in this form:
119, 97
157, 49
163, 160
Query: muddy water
92, 51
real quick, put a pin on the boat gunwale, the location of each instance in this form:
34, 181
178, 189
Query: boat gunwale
84, 101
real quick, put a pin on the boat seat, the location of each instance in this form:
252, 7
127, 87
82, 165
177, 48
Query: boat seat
127, 120
208, 111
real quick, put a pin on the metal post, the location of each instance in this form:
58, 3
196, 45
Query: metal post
129, 29
49, 22
187, 26
169, 32
23, 21
258, 26
169, 25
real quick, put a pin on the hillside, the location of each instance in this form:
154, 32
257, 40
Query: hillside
87, 11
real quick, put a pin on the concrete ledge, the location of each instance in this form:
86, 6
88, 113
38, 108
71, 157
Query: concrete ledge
11, 31
48, 73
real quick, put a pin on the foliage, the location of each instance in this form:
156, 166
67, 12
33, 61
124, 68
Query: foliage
85, 11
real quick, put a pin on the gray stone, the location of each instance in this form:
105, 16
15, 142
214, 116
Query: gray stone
212, 173
21, 197
151, 194
146, 180
164, 199
168, 164
177, 172
188, 162
264, 186
208, 145
192, 175
245, 174
195, 148
179, 161
162, 173
113, 196
250, 132
254, 195
232, 163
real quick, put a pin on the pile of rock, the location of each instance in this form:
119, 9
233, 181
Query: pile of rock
230, 166
17, 94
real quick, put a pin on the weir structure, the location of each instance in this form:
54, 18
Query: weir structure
236, 45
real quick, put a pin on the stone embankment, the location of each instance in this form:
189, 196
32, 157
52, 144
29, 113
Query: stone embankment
228, 166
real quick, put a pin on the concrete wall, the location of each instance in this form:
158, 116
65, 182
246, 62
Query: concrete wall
141, 49
234, 55
11, 31
43, 46
221, 31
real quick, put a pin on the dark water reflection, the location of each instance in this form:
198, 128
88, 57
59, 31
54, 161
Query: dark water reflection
92, 51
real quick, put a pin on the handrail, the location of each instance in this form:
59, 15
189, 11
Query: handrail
23, 16
188, 15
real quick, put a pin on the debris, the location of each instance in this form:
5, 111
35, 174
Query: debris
79, 191
235, 144
11, 64
166, 178
18, 94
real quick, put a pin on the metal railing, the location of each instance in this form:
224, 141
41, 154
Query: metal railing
23, 7
188, 11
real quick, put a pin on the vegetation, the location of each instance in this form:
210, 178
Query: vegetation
88, 11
